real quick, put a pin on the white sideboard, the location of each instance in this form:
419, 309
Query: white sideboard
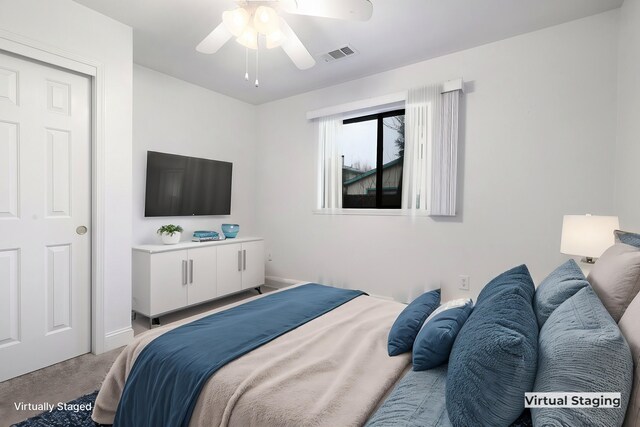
170, 277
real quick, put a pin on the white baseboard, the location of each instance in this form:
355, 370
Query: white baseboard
281, 282
118, 338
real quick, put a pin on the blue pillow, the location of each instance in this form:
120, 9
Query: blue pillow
556, 288
493, 359
582, 350
405, 328
504, 283
434, 341
627, 238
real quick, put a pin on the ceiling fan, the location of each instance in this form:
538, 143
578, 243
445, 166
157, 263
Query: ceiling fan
255, 18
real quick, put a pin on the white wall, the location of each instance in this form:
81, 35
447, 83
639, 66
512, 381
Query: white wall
69, 26
174, 116
537, 143
627, 164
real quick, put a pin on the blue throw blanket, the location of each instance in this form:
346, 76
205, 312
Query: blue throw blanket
168, 375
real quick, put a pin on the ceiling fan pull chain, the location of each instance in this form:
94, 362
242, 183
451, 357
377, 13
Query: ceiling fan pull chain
257, 50
246, 64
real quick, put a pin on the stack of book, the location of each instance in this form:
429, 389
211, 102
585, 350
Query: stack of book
205, 236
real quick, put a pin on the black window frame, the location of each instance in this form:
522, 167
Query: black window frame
382, 202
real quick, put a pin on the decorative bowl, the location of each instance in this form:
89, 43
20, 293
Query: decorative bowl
230, 230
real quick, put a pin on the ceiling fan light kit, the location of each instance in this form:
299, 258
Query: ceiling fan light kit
240, 23
236, 20
249, 38
275, 39
254, 18
266, 20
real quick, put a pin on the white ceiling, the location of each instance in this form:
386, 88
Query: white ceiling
401, 32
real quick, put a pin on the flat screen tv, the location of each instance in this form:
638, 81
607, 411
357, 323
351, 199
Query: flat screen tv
186, 186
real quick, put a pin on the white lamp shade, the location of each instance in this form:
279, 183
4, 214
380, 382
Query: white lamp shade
249, 38
236, 20
275, 39
266, 20
587, 235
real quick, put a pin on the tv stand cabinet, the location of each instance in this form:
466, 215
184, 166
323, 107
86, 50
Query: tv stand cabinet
168, 278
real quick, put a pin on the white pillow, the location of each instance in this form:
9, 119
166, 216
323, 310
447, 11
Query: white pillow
454, 303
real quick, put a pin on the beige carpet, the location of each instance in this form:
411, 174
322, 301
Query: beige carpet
75, 377
58, 383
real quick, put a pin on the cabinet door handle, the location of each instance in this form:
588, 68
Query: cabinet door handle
244, 259
184, 272
190, 271
239, 260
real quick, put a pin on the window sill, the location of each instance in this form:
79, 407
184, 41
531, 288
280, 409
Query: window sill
370, 212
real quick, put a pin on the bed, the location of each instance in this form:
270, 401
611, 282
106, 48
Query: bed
328, 363
331, 371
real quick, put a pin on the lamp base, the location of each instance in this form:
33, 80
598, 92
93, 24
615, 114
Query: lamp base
588, 260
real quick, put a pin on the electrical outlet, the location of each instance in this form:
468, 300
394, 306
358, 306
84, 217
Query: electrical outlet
464, 283
269, 258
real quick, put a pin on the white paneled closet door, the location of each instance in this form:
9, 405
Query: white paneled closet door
45, 203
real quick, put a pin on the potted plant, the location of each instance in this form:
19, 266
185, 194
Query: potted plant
170, 234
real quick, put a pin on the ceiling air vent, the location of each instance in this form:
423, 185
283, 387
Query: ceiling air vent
341, 53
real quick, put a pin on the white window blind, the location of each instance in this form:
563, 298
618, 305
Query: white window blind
329, 162
429, 176
431, 150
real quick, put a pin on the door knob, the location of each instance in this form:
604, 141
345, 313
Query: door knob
81, 230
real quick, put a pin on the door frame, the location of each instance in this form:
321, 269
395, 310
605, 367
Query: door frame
51, 55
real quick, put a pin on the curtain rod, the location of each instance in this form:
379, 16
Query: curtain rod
451, 85
363, 104
378, 101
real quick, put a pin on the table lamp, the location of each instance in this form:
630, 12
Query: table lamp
587, 235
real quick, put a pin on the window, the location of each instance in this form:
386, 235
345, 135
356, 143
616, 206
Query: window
372, 159
402, 162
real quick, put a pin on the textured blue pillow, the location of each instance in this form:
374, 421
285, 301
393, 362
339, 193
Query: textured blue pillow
627, 238
434, 341
493, 360
582, 350
556, 288
505, 283
407, 325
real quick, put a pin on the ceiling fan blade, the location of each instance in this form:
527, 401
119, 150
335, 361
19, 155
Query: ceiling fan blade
351, 10
295, 49
215, 40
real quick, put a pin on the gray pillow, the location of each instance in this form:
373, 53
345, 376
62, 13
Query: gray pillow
616, 278
582, 350
556, 288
